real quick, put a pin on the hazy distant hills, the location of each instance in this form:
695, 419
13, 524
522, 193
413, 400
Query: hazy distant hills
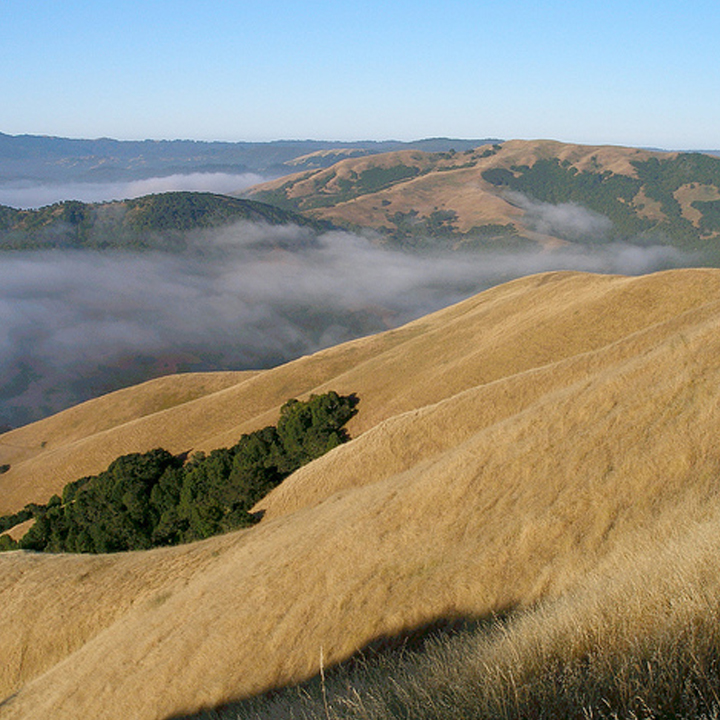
516, 192
153, 221
545, 450
37, 158
432, 193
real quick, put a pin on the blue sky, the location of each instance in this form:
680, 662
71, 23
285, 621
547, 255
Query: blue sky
627, 73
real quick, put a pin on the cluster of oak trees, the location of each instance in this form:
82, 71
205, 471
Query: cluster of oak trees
150, 499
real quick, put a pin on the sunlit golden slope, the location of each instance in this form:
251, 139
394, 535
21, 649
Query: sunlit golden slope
396, 190
500, 333
35, 452
506, 448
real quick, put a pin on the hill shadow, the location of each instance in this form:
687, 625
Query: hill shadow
381, 657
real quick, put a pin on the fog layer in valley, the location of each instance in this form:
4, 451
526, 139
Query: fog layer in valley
75, 324
27, 195
566, 220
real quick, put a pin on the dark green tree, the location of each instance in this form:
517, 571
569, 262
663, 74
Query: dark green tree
155, 498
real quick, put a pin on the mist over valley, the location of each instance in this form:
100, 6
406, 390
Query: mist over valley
76, 324
104, 294
27, 194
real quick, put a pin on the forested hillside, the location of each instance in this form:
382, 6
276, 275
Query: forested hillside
152, 221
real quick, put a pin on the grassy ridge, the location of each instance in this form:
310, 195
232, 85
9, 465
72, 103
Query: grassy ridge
668, 198
546, 449
639, 639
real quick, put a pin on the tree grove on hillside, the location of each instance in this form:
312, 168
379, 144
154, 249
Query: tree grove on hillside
150, 499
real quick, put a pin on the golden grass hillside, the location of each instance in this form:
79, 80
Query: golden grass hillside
454, 182
507, 450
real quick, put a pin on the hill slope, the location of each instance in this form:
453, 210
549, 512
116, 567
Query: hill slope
506, 448
151, 221
518, 191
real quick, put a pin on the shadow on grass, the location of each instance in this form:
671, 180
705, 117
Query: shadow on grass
381, 657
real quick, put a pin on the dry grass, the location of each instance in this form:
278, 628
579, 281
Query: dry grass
503, 332
692, 192
648, 207
463, 191
35, 452
638, 638
533, 447
450, 184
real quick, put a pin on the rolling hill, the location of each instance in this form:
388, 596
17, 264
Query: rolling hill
549, 443
516, 193
159, 221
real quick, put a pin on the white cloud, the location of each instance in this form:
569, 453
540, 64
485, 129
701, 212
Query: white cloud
566, 220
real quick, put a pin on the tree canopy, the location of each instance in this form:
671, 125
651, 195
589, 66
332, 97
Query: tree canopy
150, 499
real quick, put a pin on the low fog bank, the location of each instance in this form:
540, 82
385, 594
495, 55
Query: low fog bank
27, 195
76, 324
564, 220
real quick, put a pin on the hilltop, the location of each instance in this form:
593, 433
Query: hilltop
541, 442
516, 193
152, 221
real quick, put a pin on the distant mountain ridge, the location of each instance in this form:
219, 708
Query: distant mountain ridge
438, 191
516, 192
37, 158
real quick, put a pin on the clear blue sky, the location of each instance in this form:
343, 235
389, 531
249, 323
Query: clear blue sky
607, 71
